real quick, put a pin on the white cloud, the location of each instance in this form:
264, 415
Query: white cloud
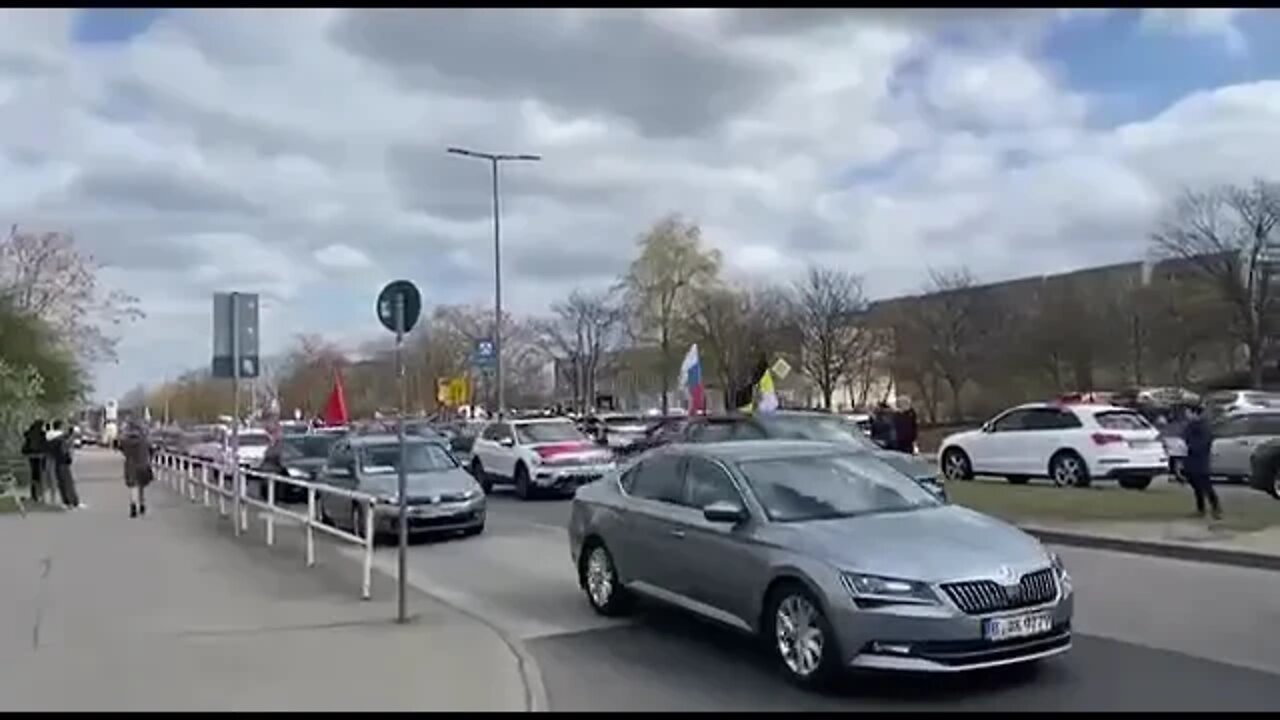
301, 154
1221, 24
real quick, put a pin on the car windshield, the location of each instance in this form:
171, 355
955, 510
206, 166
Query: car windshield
420, 457
308, 446
255, 440
821, 428
621, 420
822, 487
547, 432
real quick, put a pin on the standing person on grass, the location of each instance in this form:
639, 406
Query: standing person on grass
1198, 437
33, 447
136, 447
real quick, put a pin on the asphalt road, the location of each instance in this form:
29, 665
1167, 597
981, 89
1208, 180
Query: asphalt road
1152, 634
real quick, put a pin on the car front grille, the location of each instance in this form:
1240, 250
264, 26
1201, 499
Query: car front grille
977, 597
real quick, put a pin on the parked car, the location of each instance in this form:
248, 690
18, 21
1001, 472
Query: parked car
537, 455
795, 425
1237, 437
620, 431
299, 456
442, 496
1221, 403
1071, 444
833, 557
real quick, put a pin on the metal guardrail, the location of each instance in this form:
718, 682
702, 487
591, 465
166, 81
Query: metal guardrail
206, 482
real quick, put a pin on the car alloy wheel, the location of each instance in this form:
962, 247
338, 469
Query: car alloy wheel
1275, 484
955, 466
798, 633
1067, 471
599, 578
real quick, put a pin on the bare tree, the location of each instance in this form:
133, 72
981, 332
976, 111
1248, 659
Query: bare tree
46, 275
659, 285
1229, 236
583, 329
830, 312
734, 328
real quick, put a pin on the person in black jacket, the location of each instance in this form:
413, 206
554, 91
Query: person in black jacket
906, 428
882, 427
33, 447
1198, 437
60, 448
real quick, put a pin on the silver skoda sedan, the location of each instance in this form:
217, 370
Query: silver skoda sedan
836, 559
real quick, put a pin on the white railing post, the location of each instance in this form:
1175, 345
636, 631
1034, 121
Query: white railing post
312, 519
189, 472
239, 480
366, 589
271, 507
204, 482
222, 489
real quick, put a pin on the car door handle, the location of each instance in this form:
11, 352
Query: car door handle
678, 534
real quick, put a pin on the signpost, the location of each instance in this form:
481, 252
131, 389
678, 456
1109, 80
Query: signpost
399, 305
235, 356
484, 354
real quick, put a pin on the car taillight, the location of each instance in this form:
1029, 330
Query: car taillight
1106, 438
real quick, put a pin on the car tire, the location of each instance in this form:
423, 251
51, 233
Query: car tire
1018, 479
524, 490
598, 577
1141, 482
802, 664
477, 472
956, 465
1067, 469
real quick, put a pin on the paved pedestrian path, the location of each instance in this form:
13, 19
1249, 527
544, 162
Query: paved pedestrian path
170, 612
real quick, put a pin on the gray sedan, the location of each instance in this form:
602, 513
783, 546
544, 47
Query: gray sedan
442, 497
836, 558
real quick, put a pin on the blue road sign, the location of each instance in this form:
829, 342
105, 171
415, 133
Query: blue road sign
483, 354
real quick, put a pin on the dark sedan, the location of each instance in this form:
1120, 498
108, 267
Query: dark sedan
791, 425
297, 456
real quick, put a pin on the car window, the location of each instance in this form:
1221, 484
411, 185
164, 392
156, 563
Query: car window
1013, 420
340, 455
1054, 419
709, 432
1121, 420
705, 482
420, 457
1262, 424
307, 446
657, 479
822, 428
821, 487
1231, 427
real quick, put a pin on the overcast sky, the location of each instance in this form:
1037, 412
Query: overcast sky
300, 154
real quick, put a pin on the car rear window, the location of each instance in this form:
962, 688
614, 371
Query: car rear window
1121, 420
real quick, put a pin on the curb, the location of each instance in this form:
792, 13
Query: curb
1211, 555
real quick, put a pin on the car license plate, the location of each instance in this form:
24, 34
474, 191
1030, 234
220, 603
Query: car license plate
1141, 444
1017, 626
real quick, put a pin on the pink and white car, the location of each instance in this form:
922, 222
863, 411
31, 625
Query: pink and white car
537, 455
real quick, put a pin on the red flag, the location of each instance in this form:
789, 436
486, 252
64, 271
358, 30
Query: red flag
335, 408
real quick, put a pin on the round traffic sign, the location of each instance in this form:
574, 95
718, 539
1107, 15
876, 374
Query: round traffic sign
408, 294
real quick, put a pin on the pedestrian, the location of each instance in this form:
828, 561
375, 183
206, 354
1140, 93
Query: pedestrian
906, 428
33, 448
136, 447
1198, 436
882, 429
60, 451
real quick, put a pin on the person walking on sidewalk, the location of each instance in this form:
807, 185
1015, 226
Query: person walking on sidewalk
33, 448
136, 447
60, 455
1198, 437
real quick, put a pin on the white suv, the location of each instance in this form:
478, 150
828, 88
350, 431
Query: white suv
1069, 444
544, 454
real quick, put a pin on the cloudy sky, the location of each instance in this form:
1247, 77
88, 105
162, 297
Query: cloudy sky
300, 154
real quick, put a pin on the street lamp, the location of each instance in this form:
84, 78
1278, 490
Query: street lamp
493, 161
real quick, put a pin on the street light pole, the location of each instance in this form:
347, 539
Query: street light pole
494, 160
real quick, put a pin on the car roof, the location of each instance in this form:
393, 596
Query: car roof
537, 420
358, 441
747, 450
1080, 407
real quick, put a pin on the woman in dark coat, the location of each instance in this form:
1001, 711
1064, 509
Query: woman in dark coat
33, 447
136, 446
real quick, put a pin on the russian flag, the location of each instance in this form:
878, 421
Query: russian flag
691, 381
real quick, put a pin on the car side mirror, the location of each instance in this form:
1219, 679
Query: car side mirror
986, 427
507, 442
723, 511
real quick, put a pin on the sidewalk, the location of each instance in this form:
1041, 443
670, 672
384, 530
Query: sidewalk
1188, 540
169, 612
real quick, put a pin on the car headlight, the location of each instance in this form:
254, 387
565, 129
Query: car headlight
296, 473
879, 590
471, 494
1060, 569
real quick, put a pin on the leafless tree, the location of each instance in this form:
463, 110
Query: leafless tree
46, 275
830, 313
583, 330
1229, 236
734, 328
